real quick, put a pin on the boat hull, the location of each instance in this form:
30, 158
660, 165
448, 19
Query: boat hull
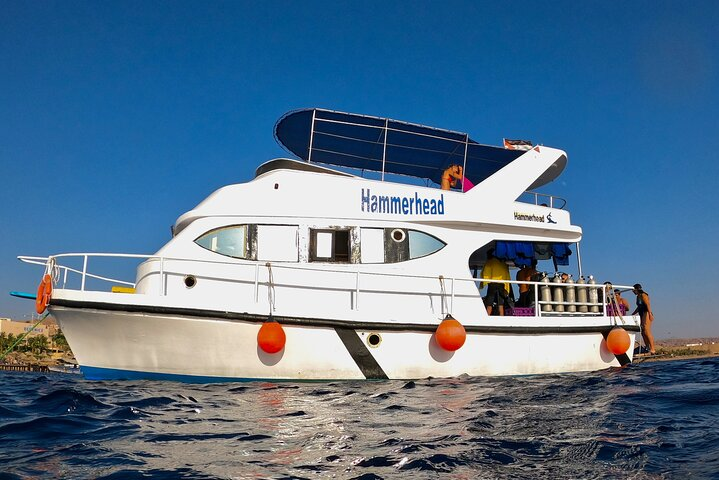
117, 344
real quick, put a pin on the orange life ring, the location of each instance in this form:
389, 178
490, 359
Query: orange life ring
44, 291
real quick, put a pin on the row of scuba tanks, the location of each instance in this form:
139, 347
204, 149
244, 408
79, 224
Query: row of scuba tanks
567, 297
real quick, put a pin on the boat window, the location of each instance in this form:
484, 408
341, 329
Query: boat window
422, 244
230, 241
393, 245
330, 245
277, 243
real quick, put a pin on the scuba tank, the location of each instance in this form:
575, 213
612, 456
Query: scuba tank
558, 292
593, 296
582, 295
571, 295
545, 293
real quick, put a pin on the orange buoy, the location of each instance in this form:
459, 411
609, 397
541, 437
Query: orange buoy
450, 334
44, 291
618, 341
271, 337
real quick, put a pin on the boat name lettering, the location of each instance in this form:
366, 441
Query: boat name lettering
413, 205
529, 217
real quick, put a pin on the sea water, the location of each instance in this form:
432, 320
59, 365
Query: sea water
649, 420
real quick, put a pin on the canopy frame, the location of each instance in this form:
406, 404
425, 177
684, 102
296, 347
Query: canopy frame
386, 146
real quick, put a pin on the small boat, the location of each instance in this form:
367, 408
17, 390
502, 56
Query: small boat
349, 262
64, 369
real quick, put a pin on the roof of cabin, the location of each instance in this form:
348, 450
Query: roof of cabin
289, 164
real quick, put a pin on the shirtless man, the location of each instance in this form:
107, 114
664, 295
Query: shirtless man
526, 292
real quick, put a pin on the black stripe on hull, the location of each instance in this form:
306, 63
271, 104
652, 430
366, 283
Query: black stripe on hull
360, 354
330, 323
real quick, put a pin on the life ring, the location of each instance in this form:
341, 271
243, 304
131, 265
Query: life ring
44, 292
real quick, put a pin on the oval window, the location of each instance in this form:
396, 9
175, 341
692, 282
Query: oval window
229, 241
422, 244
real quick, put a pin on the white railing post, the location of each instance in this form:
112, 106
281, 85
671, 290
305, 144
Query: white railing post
579, 260
162, 277
257, 282
451, 298
84, 272
357, 290
604, 299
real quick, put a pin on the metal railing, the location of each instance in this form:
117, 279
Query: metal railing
63, 271
547, 200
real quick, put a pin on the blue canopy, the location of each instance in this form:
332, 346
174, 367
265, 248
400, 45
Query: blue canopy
385, 145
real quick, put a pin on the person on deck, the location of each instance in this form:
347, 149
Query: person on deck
526, 292
497, 293
454, 174
644, 309
621, 301
607, 293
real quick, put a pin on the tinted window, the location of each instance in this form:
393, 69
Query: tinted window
230, 241
394, 245
422, 244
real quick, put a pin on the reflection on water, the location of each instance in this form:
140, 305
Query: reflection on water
647, 421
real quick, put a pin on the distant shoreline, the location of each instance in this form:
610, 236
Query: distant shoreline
23, 367
669, 357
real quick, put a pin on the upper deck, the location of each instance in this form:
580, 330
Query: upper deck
389, 146
406, 159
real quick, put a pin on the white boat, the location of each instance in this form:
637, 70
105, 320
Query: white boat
358, 256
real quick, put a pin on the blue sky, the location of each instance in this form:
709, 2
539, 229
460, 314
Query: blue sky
117, 117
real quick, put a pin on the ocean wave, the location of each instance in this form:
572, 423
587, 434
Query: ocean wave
651, 420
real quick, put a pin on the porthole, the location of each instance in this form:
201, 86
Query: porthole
398, 235
190, 281
374, 339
